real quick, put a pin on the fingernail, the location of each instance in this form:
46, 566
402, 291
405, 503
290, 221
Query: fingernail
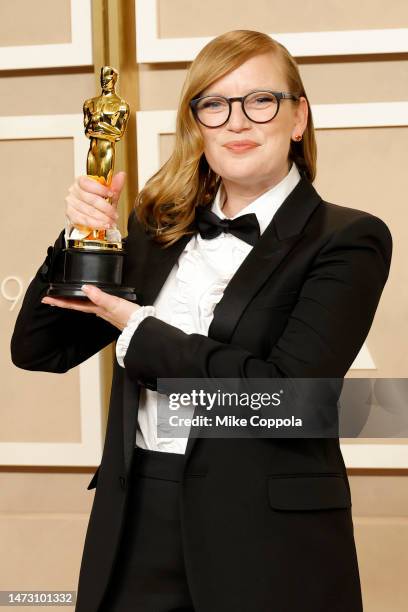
110, 194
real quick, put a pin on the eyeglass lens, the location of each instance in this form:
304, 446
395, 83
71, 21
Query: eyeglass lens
259, 106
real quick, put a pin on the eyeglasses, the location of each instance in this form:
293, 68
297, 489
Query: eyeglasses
258, 106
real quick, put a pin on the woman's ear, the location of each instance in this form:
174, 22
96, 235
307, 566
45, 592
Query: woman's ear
301, 116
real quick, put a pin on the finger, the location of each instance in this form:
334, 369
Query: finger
94, 201
90, 185
97, 202
116, 186
102, 299
84, 214
71, 303
118, 181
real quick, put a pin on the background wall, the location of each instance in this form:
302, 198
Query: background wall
44, 509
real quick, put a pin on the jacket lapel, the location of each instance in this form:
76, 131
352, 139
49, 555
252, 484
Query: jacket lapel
156, 267
278, 239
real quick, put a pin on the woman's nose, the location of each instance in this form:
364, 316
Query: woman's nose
237, 119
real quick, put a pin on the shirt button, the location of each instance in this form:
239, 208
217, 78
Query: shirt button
122, 480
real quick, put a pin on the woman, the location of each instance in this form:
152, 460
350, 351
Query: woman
242, 271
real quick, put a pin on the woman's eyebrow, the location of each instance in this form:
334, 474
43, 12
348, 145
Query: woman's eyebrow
213, 93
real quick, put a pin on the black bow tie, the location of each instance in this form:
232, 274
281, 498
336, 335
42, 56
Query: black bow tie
245, 227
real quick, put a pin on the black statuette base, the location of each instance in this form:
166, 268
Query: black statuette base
74, 290
93, 266
73, 267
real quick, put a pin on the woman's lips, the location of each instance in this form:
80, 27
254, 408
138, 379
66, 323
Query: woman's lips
238, 148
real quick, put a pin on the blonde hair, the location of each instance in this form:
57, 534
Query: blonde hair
166, 204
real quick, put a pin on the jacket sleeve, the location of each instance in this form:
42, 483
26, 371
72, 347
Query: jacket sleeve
324, 332
53, 339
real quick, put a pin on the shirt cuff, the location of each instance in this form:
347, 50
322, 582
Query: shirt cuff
124, 339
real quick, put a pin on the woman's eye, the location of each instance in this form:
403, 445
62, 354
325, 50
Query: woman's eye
211, 104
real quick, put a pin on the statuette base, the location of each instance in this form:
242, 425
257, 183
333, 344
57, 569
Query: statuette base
73, 290
75, 267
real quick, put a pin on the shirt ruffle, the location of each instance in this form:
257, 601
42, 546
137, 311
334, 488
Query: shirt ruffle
206, 266
125, 337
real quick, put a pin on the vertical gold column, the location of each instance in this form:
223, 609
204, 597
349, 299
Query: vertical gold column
114, 44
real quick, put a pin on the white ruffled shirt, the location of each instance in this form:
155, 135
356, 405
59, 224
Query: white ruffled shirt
190, 293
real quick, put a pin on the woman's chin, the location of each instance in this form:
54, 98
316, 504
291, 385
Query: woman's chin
243, 173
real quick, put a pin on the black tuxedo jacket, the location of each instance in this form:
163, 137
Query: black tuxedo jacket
266, 523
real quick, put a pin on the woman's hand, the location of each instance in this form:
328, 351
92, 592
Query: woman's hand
85, 203
113, 309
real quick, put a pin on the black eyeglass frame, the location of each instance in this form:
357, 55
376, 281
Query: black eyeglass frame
279, 95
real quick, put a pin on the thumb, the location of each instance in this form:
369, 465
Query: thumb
116, 186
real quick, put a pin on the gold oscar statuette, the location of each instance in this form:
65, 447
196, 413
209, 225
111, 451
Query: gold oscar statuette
96, 256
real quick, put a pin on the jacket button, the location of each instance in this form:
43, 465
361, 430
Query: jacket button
122, 480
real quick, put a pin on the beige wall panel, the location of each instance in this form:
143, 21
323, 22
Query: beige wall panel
210, 18
351, 82
166, 144
46, 94
379, 495
40, 406
25, 492
160, 86
382, 549
43, 552
371, 161
326, 83
35, 23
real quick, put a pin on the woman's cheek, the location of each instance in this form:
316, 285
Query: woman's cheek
216, 160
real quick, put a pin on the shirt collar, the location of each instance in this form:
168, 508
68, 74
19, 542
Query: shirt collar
266, 204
